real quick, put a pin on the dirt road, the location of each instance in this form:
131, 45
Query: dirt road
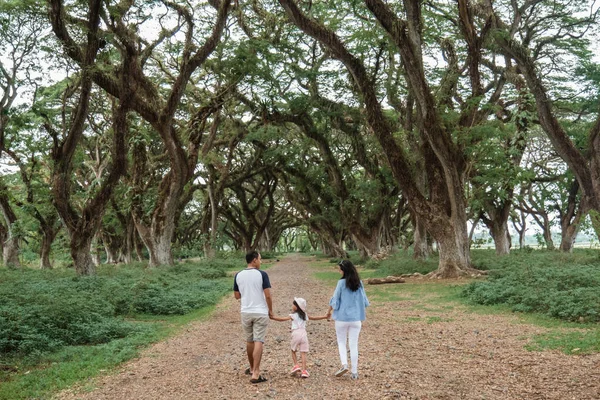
409, 349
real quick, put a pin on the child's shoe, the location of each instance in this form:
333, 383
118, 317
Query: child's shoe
305, 374
295, 369
342, 370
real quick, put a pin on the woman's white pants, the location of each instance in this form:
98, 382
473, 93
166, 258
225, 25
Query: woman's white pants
348, 331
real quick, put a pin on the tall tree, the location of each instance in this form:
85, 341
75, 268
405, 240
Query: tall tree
83, 226
444, 210
21, 31
157, 105
544, 38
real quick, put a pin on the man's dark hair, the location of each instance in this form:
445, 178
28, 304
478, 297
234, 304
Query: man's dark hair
251, 256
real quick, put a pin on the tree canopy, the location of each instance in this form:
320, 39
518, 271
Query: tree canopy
147, 127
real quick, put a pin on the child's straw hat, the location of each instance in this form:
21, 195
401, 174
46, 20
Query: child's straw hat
301, 303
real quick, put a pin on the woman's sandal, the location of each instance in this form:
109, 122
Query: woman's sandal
248, 371
258, 380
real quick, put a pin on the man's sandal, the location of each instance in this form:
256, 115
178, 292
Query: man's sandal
248, 371
258, 380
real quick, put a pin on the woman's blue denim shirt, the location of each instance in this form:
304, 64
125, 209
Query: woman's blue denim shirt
348, 305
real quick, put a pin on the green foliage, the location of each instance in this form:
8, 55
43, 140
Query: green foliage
46, 310
270, 255
563, 286
22, 379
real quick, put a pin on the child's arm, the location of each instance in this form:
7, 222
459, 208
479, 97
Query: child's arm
281, 319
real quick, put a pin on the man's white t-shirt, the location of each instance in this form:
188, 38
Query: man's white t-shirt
251, 283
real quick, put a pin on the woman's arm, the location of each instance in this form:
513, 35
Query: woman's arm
326, 316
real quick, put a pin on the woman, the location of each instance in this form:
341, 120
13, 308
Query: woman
348, 305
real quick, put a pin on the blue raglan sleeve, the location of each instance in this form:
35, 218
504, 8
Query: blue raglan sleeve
364, 293
266, 281
235, 285
337, 294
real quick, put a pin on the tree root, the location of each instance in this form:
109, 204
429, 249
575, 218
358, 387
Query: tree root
468, 272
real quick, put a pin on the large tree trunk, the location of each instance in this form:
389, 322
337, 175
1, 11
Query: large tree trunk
595, 218
368, 245
158, 235
570, 218
543, 221
421, 249
501, 236
209, 249
454, 252
568, 237
265, 243
138, 245
127, 249
80, 252
547, 234
123, 246
332, 249
521, 227
497, 222
157, 243
94, 250
10, 251
48, 234
45, 249
112, 252
3, 236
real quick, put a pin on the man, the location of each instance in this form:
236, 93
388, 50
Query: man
253, 287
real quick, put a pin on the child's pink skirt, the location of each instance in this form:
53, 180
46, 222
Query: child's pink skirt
299, 340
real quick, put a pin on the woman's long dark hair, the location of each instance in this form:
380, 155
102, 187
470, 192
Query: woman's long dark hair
350, 275
301, 313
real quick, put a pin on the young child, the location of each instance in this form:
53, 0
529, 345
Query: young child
299, 337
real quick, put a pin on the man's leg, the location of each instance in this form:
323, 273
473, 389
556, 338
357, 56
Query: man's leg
250, 352
256, 356
259, 326
247, 326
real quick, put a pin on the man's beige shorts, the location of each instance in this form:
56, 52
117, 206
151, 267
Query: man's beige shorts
255, 326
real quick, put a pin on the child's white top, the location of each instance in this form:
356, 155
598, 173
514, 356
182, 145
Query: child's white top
297, 322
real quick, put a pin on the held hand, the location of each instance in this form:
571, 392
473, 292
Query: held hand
270, 314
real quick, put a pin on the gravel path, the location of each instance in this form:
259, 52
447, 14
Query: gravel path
408, 350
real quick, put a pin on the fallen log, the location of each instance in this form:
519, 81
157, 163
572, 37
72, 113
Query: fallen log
389, 279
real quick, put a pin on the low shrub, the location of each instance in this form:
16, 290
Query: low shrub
43, 311
559, 285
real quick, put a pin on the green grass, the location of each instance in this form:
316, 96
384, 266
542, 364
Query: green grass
569, 342
433, 320
382, 294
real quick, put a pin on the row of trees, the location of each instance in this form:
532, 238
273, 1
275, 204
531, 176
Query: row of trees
146, 123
